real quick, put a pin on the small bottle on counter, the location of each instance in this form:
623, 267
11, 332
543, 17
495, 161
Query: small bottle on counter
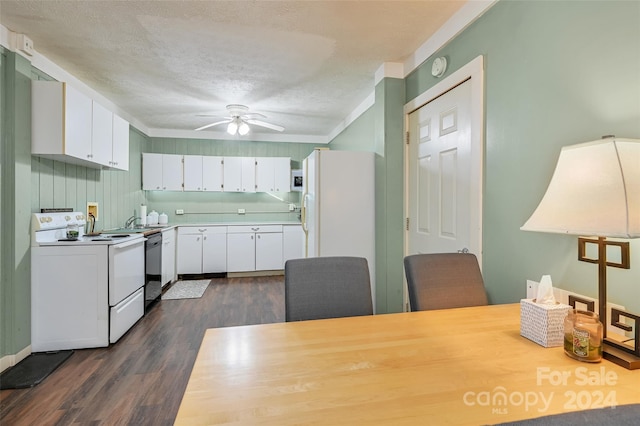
583, 336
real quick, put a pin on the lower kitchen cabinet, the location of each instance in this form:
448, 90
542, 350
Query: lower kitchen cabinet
168, 256
292, 242
202, 250
254, 248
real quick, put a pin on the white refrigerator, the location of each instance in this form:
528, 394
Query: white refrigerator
338, 205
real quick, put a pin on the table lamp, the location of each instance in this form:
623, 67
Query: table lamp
595, 191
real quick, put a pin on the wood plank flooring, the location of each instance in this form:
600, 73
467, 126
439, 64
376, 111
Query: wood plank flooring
141, 379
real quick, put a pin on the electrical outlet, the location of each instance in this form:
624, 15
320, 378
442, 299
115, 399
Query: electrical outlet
92, 209
179, 211
241, 211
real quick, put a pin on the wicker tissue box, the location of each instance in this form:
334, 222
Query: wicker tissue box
543, 324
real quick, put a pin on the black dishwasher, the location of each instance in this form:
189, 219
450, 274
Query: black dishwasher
153, 270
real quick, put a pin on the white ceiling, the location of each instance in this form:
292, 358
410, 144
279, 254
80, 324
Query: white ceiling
306, 65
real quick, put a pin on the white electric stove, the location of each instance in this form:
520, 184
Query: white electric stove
85, 291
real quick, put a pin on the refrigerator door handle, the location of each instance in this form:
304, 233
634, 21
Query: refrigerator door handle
303, 213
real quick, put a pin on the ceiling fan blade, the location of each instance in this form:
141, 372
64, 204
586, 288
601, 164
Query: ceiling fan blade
265, 124
215, 123
252, 116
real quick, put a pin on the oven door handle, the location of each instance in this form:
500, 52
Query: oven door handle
130, 243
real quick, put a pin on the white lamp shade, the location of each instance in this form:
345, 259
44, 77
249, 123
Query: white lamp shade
594, 191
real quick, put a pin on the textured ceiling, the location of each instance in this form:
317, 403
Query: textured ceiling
304, 64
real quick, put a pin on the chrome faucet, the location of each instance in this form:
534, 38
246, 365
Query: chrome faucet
131, 222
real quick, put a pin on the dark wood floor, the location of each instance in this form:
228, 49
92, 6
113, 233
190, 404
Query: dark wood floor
141, 379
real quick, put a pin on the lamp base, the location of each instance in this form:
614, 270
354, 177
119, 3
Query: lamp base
620, 357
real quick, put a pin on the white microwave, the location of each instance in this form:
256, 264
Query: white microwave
296, 180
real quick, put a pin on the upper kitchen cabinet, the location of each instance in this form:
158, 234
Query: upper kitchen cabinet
68, 126
202, 173
161, 172
120, 149
239, 174
273, 174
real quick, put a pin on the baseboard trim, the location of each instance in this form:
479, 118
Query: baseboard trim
255, 273
11, 360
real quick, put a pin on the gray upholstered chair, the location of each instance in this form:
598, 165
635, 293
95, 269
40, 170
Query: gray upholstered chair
444, 280
326, 287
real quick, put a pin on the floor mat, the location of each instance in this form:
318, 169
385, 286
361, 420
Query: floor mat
191, 289
32, 370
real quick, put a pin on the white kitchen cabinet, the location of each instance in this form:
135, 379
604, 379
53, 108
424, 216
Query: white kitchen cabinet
202, 173
273, 174
202, 249
68, 126
101, 134
161, 172
120, 145
292, 242
241, 251
254, 248
269, 251
61, 118
168, 256
212, 173
239, 174
192, 172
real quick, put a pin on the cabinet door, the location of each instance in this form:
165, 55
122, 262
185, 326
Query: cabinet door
151, 172
101, 135
214, 251
292, 242
232, 171
189, 258
77, 121
268, 251
212, 173
193, 172
265, 174
168, 256
120, 146
171, 172
248, 174
282, 174
241, 252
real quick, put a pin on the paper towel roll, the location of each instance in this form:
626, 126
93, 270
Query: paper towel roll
143, 214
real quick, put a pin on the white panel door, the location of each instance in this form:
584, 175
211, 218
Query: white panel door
120, 153
232, 174
268, 251
101, 135
440, 182
151, 171
265, 174
192, 173
171, 172
248, 174
214, 250
212, 174
78, 113
241, 252
282, 174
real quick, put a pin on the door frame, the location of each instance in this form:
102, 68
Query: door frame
473, 71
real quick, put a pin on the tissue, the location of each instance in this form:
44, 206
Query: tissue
545, 292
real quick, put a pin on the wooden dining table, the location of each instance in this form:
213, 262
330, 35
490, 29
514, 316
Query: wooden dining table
455, 366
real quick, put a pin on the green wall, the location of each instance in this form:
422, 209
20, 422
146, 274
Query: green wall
557, 73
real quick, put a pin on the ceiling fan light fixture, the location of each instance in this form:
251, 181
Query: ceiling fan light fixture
232, 128
243, 129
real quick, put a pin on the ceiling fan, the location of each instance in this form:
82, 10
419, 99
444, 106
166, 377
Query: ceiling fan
239, 120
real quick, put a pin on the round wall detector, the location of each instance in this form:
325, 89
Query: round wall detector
439, 66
